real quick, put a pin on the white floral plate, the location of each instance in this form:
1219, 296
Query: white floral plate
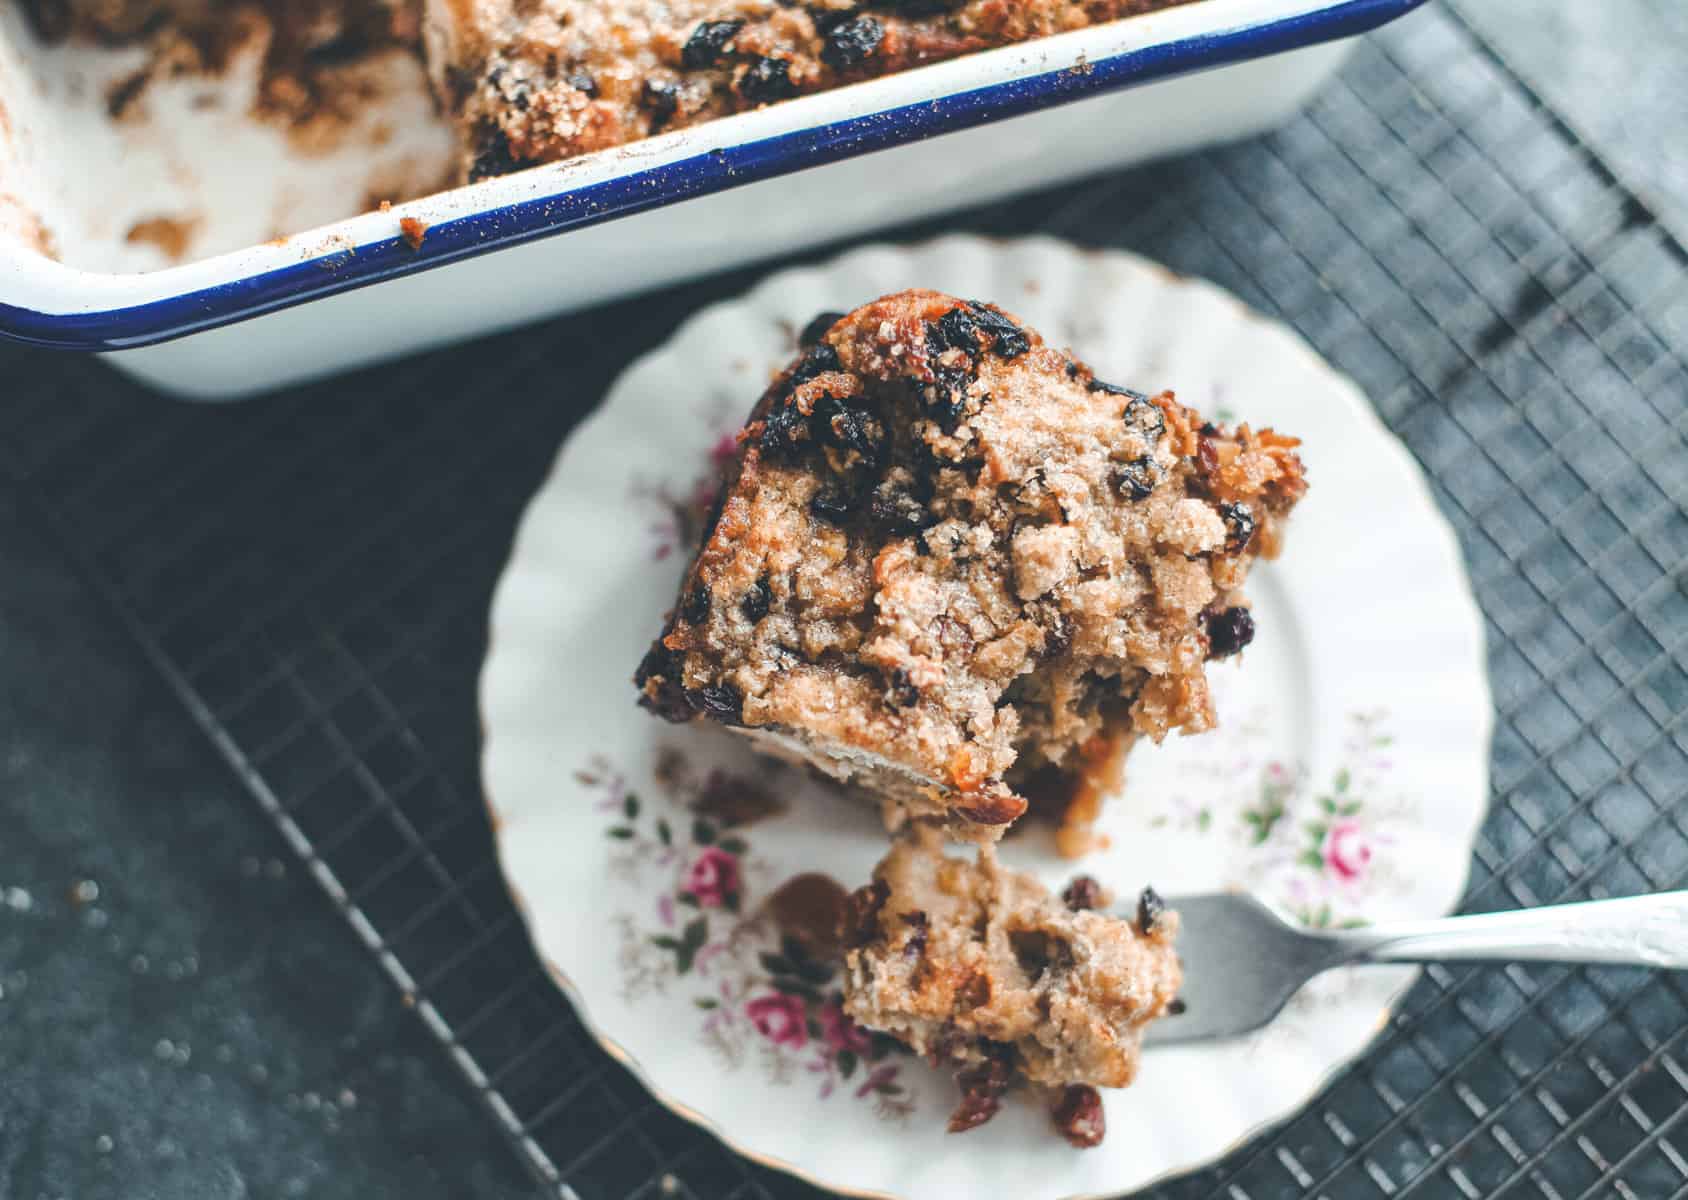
1346, 781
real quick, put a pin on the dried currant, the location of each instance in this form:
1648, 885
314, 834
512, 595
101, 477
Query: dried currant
1078, 1116
756, 601
657, 664
916, 944
694, 610
492, 155
982, 1088
848, 428
819, 359
1229, 631
708, 42
859, 923
582, 81
1177, 1007
1038, 952
834, 504
1114, 389
974, 1110
946, 396
1057, 638
1239, 527
956, 329
766, 80
901, 693
721, 701
1150, 907
783, 430
1084, 893
816, 328
1136, 479
897, 513
659, 689
1207, 457
852, 42
1009, 339
661, 98
952, 384
991, 808
516, 92
1147, 416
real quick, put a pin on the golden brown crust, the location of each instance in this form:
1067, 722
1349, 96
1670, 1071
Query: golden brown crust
542, 80
947, 558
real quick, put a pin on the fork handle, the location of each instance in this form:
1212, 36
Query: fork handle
1642, 931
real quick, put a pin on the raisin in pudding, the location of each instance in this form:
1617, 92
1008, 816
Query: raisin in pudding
979, 967
549, 79
950, 565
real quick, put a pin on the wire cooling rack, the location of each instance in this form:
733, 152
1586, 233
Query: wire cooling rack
311, 574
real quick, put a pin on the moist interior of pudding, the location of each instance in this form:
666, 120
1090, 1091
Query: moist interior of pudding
969, 963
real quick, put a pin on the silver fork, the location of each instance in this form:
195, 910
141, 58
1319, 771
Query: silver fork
1243, 960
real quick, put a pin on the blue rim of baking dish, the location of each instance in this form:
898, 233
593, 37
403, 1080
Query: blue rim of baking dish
716, 170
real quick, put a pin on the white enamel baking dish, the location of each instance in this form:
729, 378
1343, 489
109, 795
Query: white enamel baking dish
572, 234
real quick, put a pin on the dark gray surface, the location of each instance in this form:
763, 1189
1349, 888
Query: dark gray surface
245, 965
182, 1014
1618, 71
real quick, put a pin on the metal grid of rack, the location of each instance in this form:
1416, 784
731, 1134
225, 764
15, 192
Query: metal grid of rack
311, 573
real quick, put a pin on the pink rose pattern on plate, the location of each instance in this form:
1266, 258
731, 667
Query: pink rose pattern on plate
758, 994
780, 1017
1321, 852
1347, 851
1318, 851
713, 880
